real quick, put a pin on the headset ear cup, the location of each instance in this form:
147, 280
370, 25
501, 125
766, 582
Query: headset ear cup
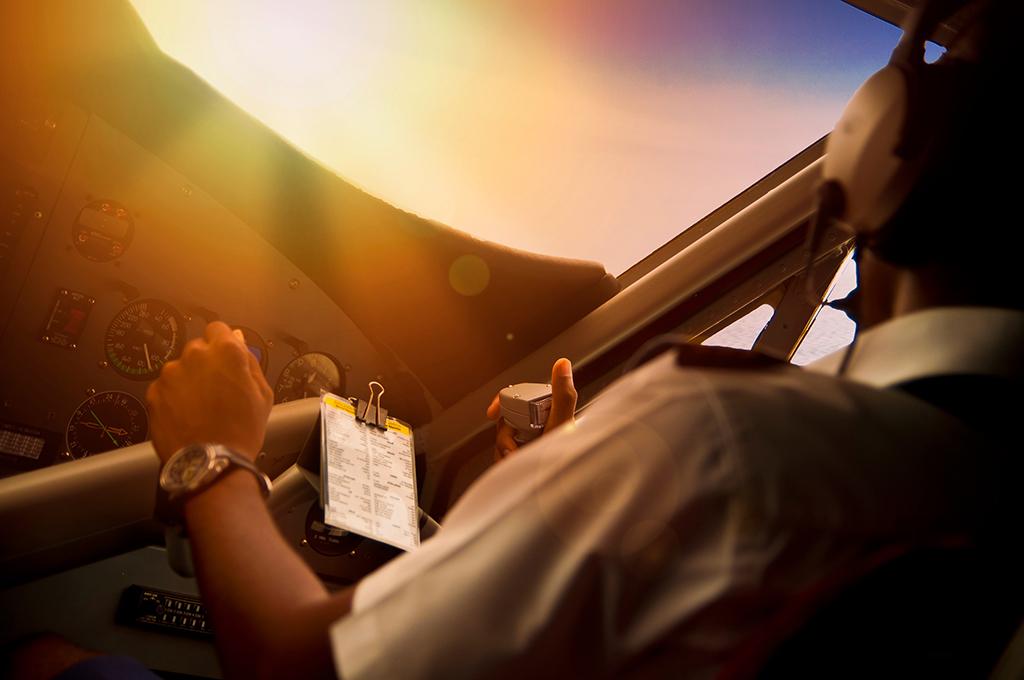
862, 154
890, 152
940, 116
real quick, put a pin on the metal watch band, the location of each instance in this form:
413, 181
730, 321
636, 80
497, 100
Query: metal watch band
220, 458
266, 486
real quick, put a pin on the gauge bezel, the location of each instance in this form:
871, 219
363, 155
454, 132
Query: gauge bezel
97, 245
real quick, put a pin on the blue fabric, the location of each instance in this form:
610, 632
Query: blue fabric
108, 668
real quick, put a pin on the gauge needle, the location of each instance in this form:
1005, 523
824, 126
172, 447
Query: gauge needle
119, 431
100, 423
312, 386
145, 348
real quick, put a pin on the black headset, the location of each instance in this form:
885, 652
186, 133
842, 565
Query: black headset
895, 138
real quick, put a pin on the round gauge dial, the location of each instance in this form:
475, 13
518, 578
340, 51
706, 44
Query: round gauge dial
325, 539
103, 231
143, 337
105, 421
307, 376
257, 346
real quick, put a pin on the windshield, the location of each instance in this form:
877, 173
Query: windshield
594, 130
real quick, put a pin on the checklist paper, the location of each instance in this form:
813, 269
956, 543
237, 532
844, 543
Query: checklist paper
368, 476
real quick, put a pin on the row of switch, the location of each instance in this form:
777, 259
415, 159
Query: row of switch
159, 609
186, 621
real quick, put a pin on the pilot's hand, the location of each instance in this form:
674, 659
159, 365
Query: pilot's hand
563, 409
215, 393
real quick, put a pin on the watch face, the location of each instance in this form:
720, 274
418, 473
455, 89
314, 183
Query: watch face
185, 468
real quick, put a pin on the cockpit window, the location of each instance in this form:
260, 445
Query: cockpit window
594, 130
831, 329
743, 332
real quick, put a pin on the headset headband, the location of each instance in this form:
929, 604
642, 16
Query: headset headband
889, 135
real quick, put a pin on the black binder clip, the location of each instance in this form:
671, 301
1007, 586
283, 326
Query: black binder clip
370, 412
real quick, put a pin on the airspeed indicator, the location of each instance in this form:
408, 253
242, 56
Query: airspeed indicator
143, 337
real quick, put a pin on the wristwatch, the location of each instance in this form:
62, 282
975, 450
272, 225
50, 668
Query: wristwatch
195, 467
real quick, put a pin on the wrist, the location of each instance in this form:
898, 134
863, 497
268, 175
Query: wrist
234, 486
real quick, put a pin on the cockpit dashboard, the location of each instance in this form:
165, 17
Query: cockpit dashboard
114, 261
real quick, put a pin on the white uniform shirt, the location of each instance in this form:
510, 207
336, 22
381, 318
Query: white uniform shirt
680, 512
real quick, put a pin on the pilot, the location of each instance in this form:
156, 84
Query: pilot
697, 495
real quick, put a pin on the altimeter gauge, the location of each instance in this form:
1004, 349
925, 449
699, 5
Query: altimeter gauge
106, 421
307, 376
143, 337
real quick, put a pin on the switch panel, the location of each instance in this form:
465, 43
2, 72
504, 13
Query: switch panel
156, 609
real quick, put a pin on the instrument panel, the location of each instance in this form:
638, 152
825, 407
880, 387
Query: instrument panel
111, 261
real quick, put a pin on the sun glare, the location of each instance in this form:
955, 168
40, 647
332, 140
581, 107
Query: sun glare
518, 123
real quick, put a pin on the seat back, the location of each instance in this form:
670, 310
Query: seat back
942, 610
932, 612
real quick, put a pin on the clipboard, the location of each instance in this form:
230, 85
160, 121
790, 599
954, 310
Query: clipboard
369, 487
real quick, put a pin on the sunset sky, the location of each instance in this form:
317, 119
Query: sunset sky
582, 128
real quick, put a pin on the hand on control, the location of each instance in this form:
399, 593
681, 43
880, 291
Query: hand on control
563, 409
214, 393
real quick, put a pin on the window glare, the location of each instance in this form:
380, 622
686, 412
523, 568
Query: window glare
566, 127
